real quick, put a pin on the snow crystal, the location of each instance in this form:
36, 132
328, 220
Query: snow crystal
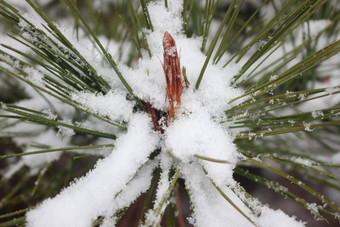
307, 127
273, 77
50, 114
306, 162
35, 76
332, 90
91, 196
332, 99
251, 135
65, 132
317, 113
302, 96
314, 209
261, 44
292, 122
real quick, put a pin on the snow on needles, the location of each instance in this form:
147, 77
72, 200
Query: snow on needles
113, 104
196, 133
195, 130
210, 209
93, 195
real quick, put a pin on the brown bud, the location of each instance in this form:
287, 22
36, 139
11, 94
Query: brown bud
173, 75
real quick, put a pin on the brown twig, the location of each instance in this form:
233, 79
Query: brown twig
180, 217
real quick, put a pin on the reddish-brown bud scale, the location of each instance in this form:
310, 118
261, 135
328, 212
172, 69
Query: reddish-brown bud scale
155, 117
172, 70
174, 88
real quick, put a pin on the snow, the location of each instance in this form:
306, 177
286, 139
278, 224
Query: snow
164, 182
24, 5
307, 127
139, 184
309, 29
303, 161
313, 207
211, 209
164, 20
50, 114
200, 112
317, 113
65, 131
113, 183
114, 104
4, 39
35, 133
197, 133
162, 189
93, 195
276, 218
48, 138
332, 90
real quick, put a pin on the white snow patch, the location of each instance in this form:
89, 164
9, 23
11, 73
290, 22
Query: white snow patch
93, 195
303, 161
197, 133
276, 218
209, 207
139, 184
317, 113
162, 189
114, 104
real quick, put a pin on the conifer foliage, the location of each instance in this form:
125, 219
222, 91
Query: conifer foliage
170, 105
